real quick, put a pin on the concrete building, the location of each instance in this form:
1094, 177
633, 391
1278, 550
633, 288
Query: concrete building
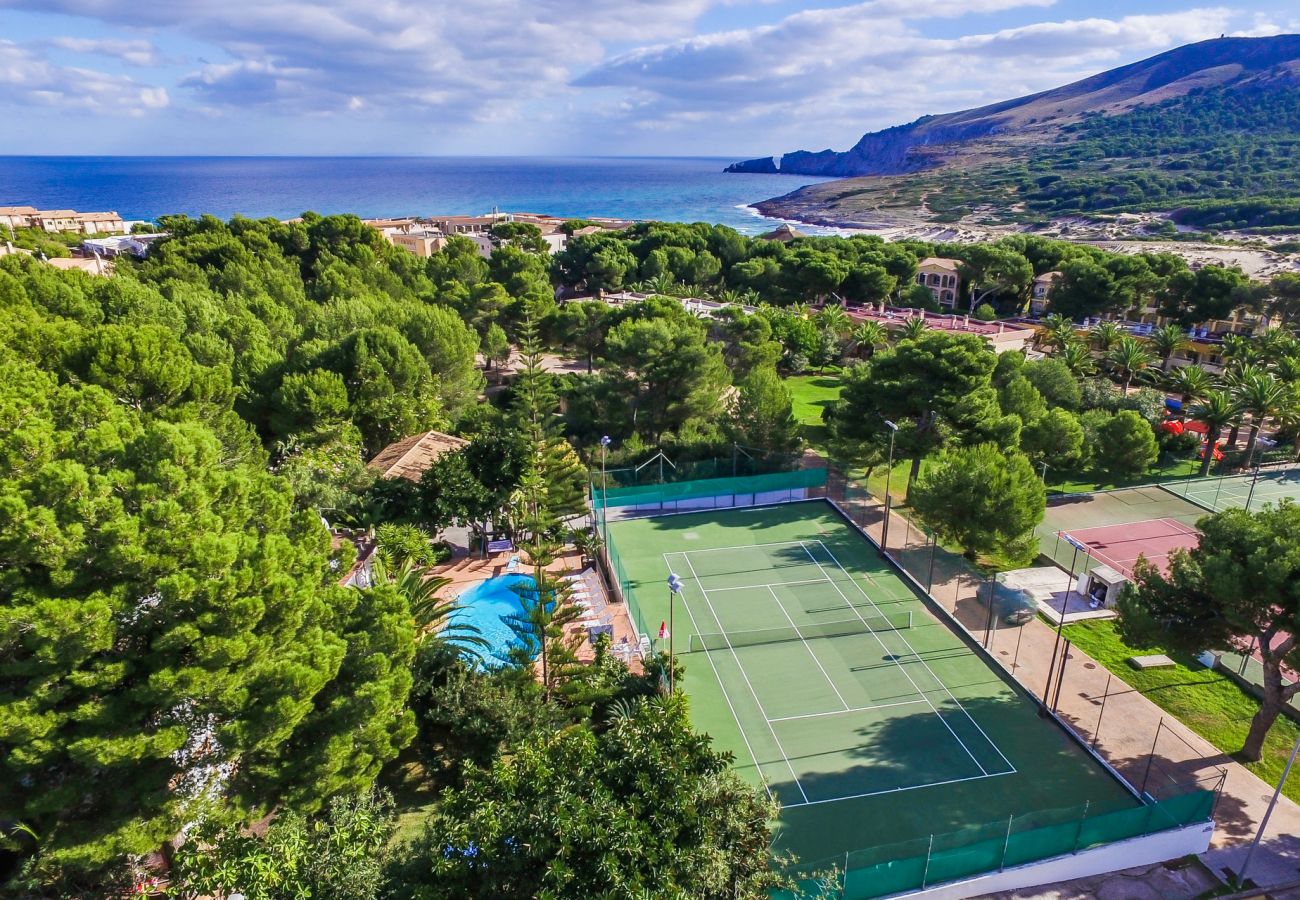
57, 220
421, 243
469, 224
101, 223
16, 216
1041, 292
941, 277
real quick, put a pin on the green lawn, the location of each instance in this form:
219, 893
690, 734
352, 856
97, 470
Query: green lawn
1088, 482
1209, 703
812, 394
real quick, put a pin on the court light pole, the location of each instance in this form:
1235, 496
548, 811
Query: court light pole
1060, 624
1253, 481
604, 499
889, 471
674, 588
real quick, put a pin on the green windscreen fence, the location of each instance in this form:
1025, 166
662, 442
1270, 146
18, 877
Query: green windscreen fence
992, 847
741, 490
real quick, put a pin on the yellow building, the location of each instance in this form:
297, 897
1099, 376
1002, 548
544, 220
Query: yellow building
941, 277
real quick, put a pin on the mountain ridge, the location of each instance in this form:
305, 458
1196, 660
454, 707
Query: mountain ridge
927, 142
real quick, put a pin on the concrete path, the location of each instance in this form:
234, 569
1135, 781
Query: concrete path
1146, 745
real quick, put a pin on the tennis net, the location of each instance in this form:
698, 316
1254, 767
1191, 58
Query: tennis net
754, 636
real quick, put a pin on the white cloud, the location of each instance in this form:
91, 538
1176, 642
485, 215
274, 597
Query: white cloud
135, 52
28, 79
530, 71
868, 65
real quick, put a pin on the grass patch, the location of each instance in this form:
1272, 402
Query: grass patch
414, 795
1088, 482
1208, 702
811, 395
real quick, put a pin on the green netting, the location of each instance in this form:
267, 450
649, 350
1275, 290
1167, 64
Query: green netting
674, 492
910, 866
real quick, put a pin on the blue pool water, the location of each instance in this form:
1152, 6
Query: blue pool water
486, 606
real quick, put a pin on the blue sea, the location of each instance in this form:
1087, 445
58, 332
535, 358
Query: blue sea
666, 188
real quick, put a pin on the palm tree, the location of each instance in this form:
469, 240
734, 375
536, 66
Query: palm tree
1288, 416
1189, 383
588, 542
1287, 368
1260, 396
1234, 379
1057, 331
914, 327
1077, 358
1217, 409
434, 615
1105, 335
1238, 352
834, 319
868, 336
1128, 359
1166, 341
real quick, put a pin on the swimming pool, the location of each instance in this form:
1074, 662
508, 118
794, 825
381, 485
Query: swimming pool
486, 606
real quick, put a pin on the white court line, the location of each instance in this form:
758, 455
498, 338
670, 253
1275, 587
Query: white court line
926, 665
840, 712
743, 736
806, 647
763, 587
743, 675
906, 674
897, 790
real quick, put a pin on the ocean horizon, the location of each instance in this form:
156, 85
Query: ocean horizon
678, 189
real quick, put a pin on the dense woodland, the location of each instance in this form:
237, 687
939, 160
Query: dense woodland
177, 657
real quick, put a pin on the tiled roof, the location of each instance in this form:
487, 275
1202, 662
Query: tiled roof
409, 457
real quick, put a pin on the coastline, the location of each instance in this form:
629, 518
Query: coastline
1119, 235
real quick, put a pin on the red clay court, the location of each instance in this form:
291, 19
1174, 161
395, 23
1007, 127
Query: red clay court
1119, 546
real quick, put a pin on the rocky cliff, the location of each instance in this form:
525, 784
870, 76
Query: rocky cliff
1037, 118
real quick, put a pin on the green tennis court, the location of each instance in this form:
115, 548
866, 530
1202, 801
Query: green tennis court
834, 685
1239, 491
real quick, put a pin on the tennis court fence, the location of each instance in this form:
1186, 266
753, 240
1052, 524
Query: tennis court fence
752, 637
991, 847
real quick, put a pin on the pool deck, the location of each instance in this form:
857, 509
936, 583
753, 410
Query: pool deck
467, 570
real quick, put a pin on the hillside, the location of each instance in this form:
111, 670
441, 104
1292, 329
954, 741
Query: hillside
1212, 123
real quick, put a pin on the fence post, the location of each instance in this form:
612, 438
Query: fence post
1002, 863
1151, 756
934, 546
925, 873
1078, 834
1096, 735
1060, 675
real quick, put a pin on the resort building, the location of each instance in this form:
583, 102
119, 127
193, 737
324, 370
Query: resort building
1002, 336
469, 224
421, 243
409, 457
941, 277
56, 220
1041, 291
17, 216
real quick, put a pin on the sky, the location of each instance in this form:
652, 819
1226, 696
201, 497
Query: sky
729, 78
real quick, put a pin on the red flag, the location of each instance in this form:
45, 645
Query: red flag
663, 630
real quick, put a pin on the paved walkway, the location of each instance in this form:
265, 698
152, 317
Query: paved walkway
1131, 725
